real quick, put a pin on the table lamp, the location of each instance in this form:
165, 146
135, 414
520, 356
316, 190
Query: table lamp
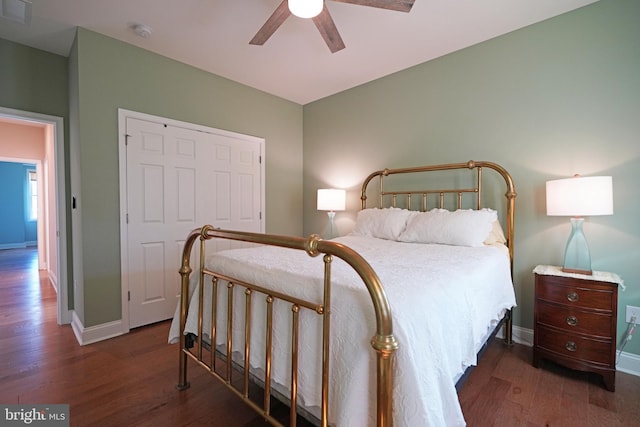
331, 200
579, 197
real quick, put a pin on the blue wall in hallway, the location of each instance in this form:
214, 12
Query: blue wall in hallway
15, 228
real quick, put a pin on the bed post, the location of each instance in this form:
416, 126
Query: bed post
511, 199
384, 342
185, 273
508, 333
510, 195
510, 221
385, 348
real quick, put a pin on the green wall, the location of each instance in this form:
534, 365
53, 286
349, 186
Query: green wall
550, 100
107, 74
35, 81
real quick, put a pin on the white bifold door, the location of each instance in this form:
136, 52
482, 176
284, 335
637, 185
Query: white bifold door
178, 179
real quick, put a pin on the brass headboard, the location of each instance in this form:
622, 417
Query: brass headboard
408, 195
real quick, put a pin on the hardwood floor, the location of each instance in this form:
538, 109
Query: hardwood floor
130, 380
506, 390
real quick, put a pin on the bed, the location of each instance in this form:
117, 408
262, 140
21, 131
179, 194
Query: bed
427, 270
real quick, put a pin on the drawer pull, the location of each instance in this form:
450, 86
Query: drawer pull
572, 321
573, 296
571, 346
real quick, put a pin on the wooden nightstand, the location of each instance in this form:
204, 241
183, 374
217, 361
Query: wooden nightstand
575, 320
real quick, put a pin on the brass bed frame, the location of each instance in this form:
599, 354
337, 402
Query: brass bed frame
219, 363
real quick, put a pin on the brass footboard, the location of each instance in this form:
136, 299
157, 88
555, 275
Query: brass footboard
383, 341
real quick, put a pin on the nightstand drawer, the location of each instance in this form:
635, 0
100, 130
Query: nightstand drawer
574, 346
562, 292
575, 321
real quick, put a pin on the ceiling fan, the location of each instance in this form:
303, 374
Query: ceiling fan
321, 17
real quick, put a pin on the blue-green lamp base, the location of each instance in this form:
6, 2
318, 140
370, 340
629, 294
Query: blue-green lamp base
577, 258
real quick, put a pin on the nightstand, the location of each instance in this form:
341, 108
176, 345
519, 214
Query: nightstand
575, 320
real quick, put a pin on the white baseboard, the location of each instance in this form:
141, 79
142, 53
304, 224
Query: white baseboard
95, 333
13, 246
627, 362
520, 335
523, 336
53, 279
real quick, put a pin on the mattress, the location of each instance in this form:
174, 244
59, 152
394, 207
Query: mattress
444, 300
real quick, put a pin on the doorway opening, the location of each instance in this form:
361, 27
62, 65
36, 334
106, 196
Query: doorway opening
47, 153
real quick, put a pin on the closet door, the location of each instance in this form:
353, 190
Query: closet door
179, 179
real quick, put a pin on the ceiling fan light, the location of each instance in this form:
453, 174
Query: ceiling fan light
306, 8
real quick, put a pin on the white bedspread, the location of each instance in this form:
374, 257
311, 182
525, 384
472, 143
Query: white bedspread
443, 301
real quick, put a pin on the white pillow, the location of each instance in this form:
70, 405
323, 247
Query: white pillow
464, 227
385, 223
496, 235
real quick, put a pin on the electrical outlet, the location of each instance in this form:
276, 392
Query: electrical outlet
633, 311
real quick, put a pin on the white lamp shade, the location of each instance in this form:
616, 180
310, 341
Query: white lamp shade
331, 199
306, 8
580, 196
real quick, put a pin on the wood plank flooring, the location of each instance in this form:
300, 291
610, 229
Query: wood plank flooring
130, 380
506, 390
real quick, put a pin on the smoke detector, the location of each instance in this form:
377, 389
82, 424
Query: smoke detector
16, 10
142, 30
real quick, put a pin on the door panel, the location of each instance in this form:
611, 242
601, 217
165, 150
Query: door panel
179, 179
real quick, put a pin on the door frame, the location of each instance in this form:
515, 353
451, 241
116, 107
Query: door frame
123, 115
63, 312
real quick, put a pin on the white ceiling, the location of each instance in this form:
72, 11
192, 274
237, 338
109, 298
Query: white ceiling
295, 63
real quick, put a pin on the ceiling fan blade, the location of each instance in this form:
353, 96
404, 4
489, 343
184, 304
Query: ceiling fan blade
273, 23
328, 30
399, 5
